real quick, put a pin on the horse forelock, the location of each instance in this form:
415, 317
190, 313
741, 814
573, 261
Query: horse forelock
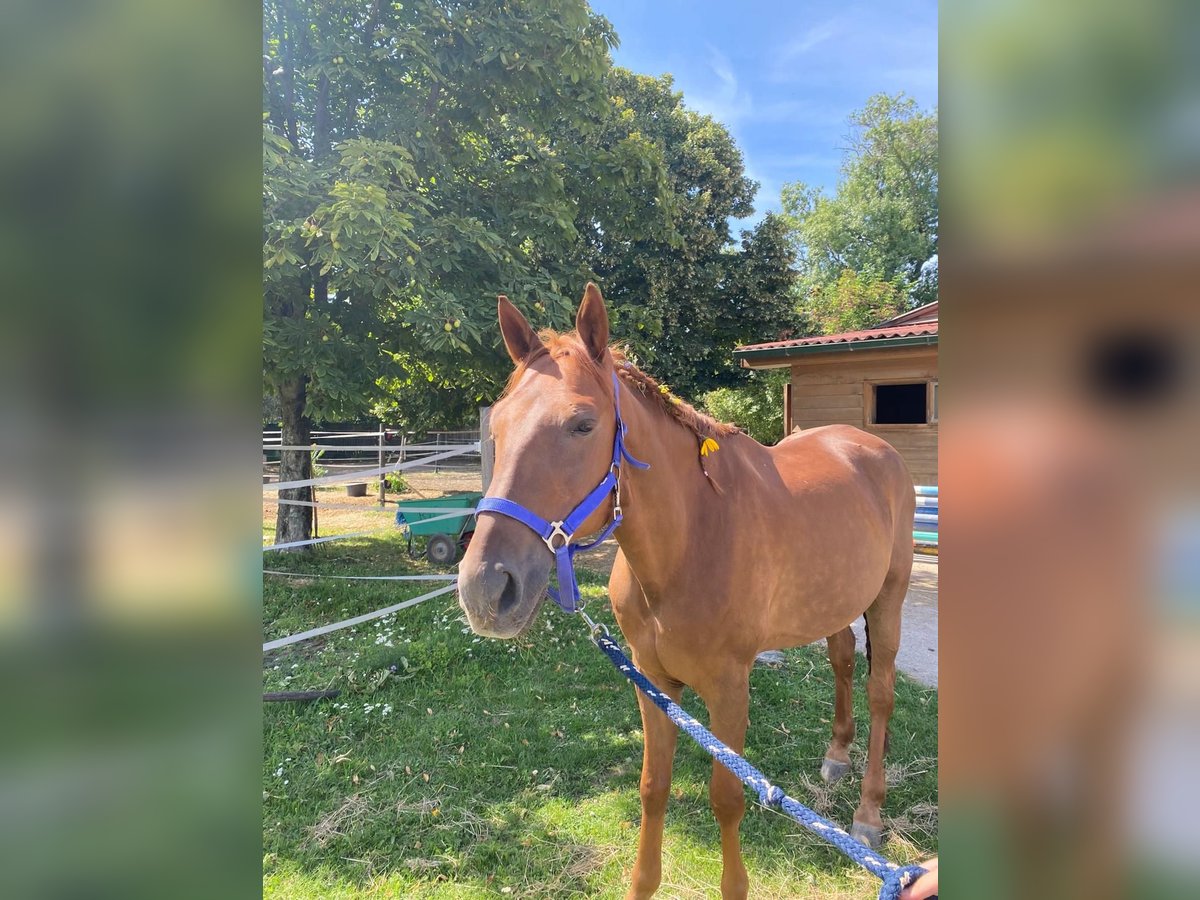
565, 348
569, 349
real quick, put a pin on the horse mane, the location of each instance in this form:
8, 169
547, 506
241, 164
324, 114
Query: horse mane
561, 346
700, 424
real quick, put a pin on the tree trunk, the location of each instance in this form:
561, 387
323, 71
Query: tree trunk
294, 523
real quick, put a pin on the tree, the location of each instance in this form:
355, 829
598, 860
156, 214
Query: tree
653, 186
856, 301
681, 291
410, 175
421, 157
756, 405
870, 250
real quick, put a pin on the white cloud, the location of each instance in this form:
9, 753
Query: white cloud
811, 37
884, 49
725, 100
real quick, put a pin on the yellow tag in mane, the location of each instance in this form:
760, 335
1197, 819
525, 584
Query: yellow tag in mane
709, 446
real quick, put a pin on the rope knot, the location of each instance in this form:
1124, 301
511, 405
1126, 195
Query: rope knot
773, 795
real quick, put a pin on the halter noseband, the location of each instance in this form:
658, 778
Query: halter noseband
558, 536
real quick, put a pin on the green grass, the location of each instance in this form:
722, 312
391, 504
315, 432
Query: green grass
487, 768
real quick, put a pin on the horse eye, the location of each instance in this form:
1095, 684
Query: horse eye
585, 427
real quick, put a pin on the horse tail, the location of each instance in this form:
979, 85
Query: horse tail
867, 632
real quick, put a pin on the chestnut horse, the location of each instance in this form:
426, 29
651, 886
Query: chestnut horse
744, 549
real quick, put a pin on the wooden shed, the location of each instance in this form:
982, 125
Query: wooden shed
882, 379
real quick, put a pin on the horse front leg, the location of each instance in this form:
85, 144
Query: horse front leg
658, 758
728, 702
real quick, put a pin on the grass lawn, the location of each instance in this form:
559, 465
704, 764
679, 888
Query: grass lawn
455, 766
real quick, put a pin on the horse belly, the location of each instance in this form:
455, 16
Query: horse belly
813, 605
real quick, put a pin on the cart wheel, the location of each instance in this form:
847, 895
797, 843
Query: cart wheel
441, 550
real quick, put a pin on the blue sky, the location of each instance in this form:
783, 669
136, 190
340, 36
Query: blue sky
783, 77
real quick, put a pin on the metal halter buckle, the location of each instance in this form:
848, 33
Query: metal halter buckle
556, 531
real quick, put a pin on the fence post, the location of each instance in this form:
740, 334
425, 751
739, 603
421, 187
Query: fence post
382, 477
487, 451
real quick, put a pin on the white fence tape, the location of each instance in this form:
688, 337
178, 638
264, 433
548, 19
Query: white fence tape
324, 540
457, 514
268, 435
357, 620
366, 473
372, 506
365, 448
362, 577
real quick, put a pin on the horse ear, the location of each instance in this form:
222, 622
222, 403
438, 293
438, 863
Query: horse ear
520, 340
592, 322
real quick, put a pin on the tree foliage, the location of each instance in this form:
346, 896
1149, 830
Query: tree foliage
421, 157
855, 301
687, 293
410, 175
870, 250
756, 405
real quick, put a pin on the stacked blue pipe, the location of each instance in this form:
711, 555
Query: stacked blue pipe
925, 520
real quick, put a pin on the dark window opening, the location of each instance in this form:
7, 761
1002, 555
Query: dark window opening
900, 404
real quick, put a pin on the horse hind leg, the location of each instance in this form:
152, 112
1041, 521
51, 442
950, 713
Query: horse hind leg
836, 764
883, 625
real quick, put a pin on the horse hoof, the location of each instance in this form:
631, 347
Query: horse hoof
832, 770
868, 835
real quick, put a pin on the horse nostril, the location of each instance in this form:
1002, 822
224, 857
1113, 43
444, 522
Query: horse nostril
508, 597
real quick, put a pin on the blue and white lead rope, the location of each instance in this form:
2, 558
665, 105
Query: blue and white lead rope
895, 878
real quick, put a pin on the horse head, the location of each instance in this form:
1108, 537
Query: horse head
554, 432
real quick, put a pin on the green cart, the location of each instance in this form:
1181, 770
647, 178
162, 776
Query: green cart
445, 534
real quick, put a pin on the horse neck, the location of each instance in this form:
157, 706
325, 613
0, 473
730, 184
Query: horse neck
659, 502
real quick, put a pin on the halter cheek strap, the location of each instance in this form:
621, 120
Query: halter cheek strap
559, 536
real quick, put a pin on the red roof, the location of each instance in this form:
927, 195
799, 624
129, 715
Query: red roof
851, 337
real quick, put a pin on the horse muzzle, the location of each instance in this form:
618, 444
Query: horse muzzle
501, 591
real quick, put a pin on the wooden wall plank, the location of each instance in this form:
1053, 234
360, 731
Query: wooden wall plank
830, 389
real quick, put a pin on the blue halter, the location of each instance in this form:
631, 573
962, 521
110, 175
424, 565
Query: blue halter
559, 536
